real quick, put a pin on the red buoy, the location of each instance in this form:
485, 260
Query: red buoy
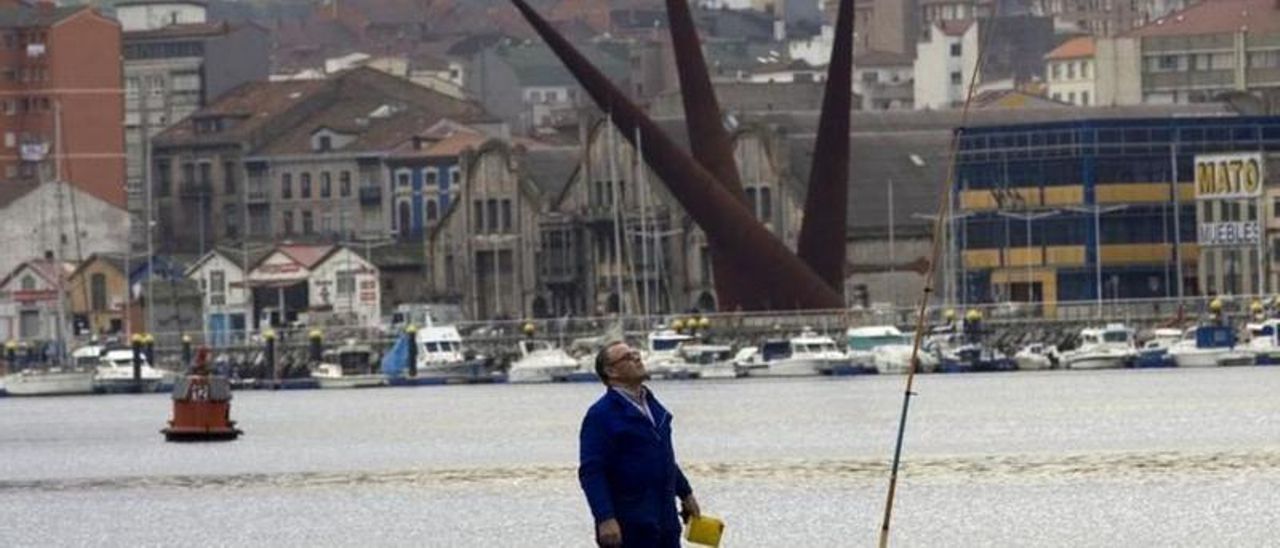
201, 406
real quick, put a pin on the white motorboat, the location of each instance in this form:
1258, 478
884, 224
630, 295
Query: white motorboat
348, 366
440, 354
114, 373
49, 382
662, 356
541, 361
708, 361
805, 354
1037, 356
1264, 341
886, 348
1102, 348
1209, 346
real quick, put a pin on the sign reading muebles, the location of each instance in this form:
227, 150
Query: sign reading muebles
1229, 233
1229, 176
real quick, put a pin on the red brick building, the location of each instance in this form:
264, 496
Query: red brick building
69, 56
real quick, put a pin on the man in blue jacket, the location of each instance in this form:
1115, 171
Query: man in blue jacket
627, 465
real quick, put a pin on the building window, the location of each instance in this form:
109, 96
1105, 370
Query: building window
432, 174
229, 177
345, 282
98, 291
402, 179
304, 186
1084, 98
286, 186
163, 178
506, 216
344, 184
326, 185
477, 214
492, 216
1071, 71
324, 143
1057, 72
955, 49
217, 281
1071, 97
308, 224
454, 175
287, 223
1085, 68
433, 211
28, 283
955, 78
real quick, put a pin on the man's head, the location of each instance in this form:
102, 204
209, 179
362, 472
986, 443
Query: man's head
619, 364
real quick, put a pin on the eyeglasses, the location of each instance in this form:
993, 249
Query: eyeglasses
632, 355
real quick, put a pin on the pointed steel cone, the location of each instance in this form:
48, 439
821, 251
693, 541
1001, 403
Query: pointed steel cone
711, 146
822, 235
727, 222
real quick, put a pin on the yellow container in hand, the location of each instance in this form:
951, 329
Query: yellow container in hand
704, 530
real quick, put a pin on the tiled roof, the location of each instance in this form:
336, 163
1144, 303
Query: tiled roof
876, 58
251, 105
1214, 17
1075, 48
306, 255
956, 28
15, 17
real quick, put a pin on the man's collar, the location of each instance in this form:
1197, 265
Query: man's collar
640, 393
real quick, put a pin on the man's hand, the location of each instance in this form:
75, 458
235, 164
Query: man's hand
609, 533
689, 507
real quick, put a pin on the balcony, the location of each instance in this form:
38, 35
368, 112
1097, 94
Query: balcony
258, 196
192, 189
370, 195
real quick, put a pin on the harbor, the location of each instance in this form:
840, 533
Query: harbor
1160, 457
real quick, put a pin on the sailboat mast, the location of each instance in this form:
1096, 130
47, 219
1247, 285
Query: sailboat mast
643, 191
617, 221
61, 330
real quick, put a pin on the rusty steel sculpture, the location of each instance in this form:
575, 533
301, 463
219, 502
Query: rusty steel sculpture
826, 203
761, 272
713, 148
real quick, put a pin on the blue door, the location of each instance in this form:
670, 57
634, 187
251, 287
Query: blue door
218, 330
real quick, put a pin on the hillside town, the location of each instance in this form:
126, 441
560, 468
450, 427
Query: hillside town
213, 167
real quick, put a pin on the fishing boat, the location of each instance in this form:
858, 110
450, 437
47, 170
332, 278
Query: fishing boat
1155, 351
1209, 346
348, 366
541, 361
442, 357
1106, 347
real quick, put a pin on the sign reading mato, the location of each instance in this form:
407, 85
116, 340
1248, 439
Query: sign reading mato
1229, 176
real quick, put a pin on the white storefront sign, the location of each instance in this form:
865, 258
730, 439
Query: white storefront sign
1231, 233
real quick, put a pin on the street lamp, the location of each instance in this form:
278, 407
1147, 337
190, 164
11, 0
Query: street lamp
1028, 217
1097, 211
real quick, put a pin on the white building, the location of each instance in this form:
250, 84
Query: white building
1071, 72
945, 60
227, 306
347, 285
29, 301
135, 15
884, 81
315, 285
31, 221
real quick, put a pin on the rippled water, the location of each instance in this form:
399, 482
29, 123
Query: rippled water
1134, 458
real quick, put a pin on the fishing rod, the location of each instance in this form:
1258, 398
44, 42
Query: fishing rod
944, 211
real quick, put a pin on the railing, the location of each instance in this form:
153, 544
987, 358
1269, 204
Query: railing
370, 194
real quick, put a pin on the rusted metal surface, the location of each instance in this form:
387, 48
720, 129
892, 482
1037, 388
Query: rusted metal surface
711, 146
745, 241
821, 243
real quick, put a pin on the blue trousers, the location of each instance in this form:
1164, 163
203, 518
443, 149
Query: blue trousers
648, 535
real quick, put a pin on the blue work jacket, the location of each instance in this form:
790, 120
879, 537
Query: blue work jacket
627, 465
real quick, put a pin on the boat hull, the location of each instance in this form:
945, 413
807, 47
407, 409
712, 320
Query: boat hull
49, 384
352, 381
1213, 358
